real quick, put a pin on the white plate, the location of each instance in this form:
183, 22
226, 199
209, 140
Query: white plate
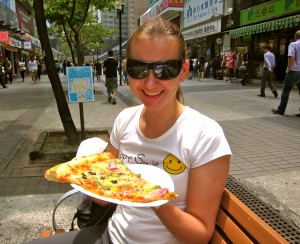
150, 173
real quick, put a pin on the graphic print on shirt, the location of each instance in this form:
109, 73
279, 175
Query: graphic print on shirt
173, 165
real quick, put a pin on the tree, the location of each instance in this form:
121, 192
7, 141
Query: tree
91, 35
65, 6
74, 17
63, 109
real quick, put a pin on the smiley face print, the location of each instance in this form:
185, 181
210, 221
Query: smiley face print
173, 165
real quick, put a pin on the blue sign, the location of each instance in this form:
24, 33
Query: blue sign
80, 84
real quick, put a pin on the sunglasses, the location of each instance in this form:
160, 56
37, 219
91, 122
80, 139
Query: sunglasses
163, 70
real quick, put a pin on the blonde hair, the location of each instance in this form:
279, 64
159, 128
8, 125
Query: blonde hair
163, 28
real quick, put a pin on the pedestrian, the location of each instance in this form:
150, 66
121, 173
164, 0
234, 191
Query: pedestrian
243, 73
195, 68
57, 66
201, 69
8, 70
267, 73
2, 73
231, 66
175, 138
65, 67
215, 67
39, 71
98, 69
22, 68
224, 66
292, 77
110, 69
32, 68
237, 65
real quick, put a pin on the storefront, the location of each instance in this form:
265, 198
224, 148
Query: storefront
270, 24
202, 27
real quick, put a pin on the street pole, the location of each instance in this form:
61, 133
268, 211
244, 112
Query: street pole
120, 44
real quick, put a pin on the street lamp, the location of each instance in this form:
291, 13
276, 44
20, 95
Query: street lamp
119, 5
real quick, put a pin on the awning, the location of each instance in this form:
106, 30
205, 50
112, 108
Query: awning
267, 26
9, 48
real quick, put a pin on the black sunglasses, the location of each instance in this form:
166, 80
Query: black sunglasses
163, 70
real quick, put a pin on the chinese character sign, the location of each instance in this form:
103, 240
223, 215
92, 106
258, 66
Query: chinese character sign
196, 11
80, 84
268, 10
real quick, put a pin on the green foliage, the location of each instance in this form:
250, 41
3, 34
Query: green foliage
75, 22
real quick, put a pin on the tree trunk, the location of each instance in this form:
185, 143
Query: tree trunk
63, 109
78, 48
69, 42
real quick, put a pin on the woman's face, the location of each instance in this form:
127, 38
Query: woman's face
152, 92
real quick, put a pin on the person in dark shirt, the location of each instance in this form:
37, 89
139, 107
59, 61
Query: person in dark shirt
110, 67
98, 69
8, 70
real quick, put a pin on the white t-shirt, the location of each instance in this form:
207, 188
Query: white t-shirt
193, 140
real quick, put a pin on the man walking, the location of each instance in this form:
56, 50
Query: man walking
8, 70
268, 67
292, 77
110, 67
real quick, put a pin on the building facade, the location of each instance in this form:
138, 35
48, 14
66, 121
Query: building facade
18, 37
215, 28
129, 21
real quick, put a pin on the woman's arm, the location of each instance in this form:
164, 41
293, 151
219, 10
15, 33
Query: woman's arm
205, 189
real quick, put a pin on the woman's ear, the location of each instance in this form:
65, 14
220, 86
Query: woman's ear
184, 70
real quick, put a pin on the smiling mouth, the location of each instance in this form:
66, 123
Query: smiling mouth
152, 94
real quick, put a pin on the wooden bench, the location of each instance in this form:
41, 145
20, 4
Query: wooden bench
235, 223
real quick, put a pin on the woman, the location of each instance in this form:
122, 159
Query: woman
22, 67
201, 69
159, 131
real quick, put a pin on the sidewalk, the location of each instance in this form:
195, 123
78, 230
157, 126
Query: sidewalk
266, 155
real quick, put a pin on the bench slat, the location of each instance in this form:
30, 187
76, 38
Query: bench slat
232, 231
46, 233
243, 215
217, 238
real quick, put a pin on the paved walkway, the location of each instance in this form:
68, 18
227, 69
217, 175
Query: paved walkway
265, 146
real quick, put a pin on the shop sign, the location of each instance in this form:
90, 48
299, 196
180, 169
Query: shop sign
36, 42
4, 36
16, 43
230, 21
27, 45
203, 30
196, 11
268, 10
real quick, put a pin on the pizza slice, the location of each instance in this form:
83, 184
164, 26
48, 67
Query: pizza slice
71, 172
109, 177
